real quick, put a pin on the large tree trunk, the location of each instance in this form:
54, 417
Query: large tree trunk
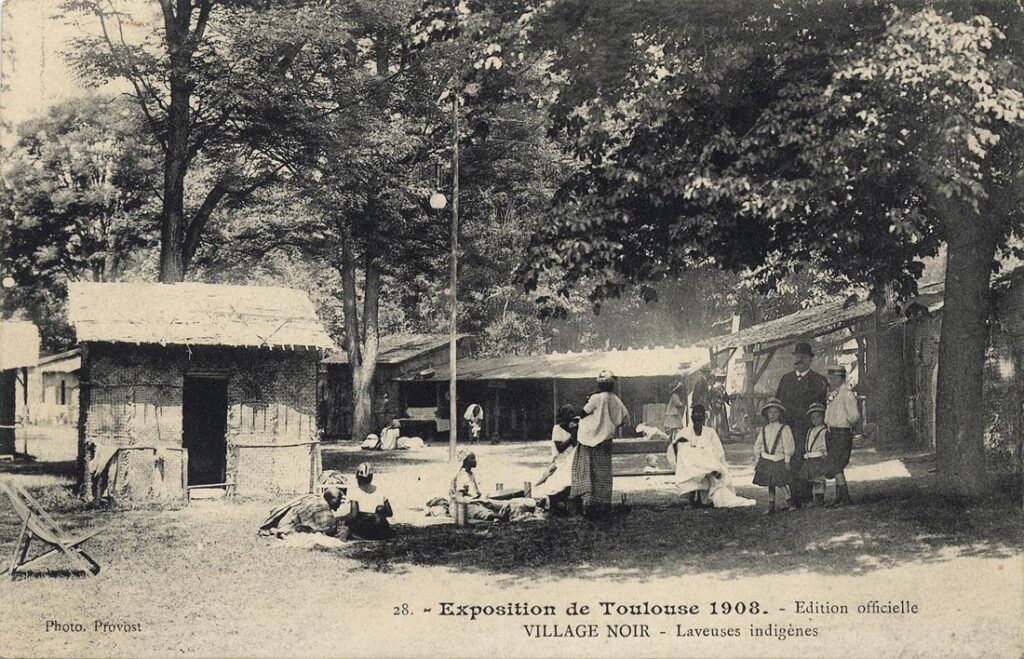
362, 375
172, 227
965, 334
888, 401
361, 338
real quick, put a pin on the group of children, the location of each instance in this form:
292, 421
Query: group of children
775, 448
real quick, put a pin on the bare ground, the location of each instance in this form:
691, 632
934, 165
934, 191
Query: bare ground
199, 581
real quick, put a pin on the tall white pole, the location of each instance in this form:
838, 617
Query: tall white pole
453, 429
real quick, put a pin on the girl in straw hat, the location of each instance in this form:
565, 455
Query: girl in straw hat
773, 449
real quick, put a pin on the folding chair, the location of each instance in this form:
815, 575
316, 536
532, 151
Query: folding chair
37, 523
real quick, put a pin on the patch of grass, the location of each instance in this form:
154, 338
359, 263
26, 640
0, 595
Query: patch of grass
891, 524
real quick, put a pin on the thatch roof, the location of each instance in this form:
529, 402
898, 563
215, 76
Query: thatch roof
19, 344
398, 348
195, 314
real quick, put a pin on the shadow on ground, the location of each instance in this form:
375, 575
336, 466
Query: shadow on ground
893, 523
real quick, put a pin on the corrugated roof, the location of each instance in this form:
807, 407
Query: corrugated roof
630, 363
398, 348
195, 314
813, 322
19, 344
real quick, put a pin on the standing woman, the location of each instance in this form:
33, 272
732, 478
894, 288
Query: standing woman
602, 415
718, 402
675, 411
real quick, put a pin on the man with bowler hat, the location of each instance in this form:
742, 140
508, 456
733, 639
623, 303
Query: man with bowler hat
798, 390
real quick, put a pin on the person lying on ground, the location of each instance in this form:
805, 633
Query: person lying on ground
699, 461
309, 513
369, 510
554, 484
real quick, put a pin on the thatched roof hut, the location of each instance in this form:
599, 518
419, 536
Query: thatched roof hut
195, 314
213, 384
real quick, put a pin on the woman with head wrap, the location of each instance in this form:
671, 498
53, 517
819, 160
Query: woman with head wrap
602, 416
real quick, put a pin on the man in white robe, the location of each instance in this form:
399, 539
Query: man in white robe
698, 458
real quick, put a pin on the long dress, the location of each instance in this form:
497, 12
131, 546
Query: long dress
592, 465
696, 460
558, 476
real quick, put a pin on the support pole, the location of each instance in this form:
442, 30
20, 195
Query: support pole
25, 416
453, 356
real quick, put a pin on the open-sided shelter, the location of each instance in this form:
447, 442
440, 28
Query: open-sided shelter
521, 394
398, 356
841, 332
188, 385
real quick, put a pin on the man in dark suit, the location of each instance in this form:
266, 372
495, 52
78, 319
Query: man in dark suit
797, 390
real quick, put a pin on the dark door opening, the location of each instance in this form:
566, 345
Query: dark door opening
204, 425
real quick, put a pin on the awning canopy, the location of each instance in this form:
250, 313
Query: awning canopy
630, 363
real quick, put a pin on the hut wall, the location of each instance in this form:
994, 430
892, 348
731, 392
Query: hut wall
135, 399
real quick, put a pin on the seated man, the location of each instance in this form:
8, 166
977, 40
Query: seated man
369, 510
309, 513
699, 461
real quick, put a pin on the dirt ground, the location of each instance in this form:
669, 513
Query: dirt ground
197, 580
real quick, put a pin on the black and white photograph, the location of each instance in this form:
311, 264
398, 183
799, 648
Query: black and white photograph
512, 328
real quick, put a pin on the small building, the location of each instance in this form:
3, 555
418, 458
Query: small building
520, 395
49, 395
197, 385
19, 349
399, 356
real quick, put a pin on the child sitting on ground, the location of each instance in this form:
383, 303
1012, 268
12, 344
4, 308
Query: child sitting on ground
773, 449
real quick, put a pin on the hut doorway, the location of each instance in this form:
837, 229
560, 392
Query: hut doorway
204, 426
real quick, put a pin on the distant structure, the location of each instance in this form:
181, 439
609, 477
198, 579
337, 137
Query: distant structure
188, 387
19, 349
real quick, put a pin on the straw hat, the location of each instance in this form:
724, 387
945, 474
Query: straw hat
605, 376
773, 402
815, 407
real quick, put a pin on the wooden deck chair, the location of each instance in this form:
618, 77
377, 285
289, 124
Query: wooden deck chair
37, 523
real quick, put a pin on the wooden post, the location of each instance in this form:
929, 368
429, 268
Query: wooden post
453, 356
184, 474
84, 400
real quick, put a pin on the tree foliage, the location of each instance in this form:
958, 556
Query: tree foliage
77, 202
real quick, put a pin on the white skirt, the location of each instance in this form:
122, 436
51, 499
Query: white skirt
561, 479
